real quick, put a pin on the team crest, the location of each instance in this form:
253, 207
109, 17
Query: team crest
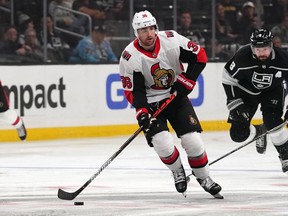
163, 78
192, 120
262, 81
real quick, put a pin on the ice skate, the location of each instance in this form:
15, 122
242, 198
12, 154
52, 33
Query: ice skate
22, 133
180, 180
284, 163
261, 143
211, 187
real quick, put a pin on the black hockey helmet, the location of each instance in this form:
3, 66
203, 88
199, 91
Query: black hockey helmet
261, 38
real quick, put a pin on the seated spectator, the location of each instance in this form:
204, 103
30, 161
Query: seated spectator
221, 54
274, 14
277, 42
64, 18
55, 42
31, 49
90, 7
94, 48
224, 31
247, 20
185, 28
10, 44
281, 30
25, 23
231, 11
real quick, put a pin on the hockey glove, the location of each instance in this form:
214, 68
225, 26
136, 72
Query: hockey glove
182, 85
144, 119
239, 114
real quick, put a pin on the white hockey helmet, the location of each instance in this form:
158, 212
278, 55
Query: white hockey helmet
143, 19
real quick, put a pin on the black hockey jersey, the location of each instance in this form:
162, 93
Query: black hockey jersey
245, 72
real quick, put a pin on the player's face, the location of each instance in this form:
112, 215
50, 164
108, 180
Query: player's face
262, 53
147, 37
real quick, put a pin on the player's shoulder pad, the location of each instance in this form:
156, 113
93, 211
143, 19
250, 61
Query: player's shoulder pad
243, 54
281, 54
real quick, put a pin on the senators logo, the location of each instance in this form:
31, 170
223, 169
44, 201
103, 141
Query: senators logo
162, 78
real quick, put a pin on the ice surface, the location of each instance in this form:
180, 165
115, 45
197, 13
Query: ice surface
136, 183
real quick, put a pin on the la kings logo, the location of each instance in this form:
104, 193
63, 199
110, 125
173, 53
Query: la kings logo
262, 81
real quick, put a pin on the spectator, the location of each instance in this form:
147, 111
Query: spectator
221, 54
281, 30
246, 21
275, 13
31, 49
277, 42
90, 7
55, 44
64, 18
185, 28
25, 23
224, 31
231, 11
10, 43
94, 48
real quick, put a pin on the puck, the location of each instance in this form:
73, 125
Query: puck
78, 203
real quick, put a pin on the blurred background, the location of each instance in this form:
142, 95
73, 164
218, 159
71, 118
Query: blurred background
97, 31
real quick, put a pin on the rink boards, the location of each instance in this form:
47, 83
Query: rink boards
67, 101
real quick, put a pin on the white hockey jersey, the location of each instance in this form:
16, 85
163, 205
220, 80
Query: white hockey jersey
159, 68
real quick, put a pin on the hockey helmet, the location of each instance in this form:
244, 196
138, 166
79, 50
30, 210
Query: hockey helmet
261, 38
143, 19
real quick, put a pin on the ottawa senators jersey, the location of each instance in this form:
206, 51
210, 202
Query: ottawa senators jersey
147, 76
243, 71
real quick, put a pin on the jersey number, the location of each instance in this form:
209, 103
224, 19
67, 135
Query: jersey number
193, 46
126, 82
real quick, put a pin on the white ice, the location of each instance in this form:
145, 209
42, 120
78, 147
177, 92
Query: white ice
136, 183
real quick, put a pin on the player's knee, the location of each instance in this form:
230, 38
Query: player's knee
163, 143
239, 133
193, 144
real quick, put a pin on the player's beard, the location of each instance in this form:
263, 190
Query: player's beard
149, 43
263, 58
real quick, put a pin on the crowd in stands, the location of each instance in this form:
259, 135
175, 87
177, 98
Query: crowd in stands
78, 31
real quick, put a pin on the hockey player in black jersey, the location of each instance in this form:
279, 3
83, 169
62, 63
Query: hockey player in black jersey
254, 76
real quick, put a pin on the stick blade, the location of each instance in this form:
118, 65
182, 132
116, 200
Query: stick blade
66, 195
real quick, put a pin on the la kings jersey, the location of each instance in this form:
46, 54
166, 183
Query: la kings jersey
147, 76
243, 71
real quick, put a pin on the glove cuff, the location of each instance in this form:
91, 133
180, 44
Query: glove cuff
140, 111
188, 83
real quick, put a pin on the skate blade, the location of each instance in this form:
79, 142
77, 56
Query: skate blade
184, 194
218, 196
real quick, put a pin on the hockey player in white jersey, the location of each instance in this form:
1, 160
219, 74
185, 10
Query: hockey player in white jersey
151, 69
10, 116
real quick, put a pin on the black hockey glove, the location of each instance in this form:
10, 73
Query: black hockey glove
144, 119
182, 85
239, 114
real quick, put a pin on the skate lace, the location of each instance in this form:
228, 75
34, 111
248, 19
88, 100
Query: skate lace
179, 175
207, 183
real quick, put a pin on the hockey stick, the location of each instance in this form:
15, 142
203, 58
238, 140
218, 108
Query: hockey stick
251, 141
70, 196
